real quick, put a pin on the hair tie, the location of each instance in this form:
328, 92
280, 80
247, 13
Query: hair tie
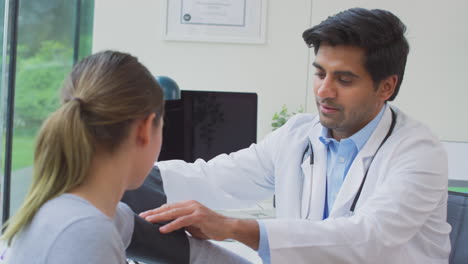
80, 101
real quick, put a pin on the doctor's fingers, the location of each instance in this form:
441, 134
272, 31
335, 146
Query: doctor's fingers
166, 207
179, 223
170, 214
202, 226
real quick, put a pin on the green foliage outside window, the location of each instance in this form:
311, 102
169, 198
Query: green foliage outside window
38, 80
45, 54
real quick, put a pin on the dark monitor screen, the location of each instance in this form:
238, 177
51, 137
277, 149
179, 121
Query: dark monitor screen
205, 124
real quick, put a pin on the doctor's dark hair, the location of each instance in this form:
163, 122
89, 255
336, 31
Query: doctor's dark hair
101, 98
380, 33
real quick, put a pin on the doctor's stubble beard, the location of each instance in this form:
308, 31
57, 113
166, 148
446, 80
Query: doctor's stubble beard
330, 121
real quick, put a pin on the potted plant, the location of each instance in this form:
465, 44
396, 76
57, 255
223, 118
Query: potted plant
281, 117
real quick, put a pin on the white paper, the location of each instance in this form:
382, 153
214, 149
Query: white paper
213, 12
457, 165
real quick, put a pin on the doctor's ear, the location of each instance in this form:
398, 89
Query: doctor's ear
144, 129
387, 87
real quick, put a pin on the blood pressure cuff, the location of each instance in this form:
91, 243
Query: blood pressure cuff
148, 245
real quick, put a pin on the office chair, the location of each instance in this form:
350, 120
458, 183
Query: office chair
457, 217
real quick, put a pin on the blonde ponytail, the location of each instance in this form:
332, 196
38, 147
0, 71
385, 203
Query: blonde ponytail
61, 159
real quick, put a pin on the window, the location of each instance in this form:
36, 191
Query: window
51, 36
3, 105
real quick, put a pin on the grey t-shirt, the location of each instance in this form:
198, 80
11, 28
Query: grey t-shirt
69, 229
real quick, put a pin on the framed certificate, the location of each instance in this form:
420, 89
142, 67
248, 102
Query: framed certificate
233, 21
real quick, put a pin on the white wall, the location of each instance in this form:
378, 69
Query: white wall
434, 89
276, 71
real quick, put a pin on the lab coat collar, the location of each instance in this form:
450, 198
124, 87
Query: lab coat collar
314, 185
314, 182
313, 189
359, 166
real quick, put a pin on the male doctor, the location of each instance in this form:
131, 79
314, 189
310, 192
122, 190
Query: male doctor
361, 182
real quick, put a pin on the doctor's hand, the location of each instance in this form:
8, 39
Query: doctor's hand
200, 221
203, 223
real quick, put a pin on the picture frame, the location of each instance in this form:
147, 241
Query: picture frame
224, 21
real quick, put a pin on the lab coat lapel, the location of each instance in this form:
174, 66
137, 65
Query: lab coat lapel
358, 168
306, 186
313, 195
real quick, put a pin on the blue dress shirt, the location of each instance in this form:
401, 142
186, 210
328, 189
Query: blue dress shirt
340, 156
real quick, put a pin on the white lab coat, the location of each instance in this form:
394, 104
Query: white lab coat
400, 216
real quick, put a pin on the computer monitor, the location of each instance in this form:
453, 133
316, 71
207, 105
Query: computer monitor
205, 124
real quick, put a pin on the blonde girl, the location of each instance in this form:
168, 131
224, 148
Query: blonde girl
102, 141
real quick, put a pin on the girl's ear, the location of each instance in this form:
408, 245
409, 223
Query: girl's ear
144, 129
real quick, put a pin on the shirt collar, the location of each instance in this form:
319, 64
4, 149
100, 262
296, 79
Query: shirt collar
359, 138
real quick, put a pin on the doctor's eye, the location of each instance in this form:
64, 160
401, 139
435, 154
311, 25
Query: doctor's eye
345, 80
320, 75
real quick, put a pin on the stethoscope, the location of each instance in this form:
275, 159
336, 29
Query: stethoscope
309, 150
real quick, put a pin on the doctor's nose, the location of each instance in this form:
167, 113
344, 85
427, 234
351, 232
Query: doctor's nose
324, 88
